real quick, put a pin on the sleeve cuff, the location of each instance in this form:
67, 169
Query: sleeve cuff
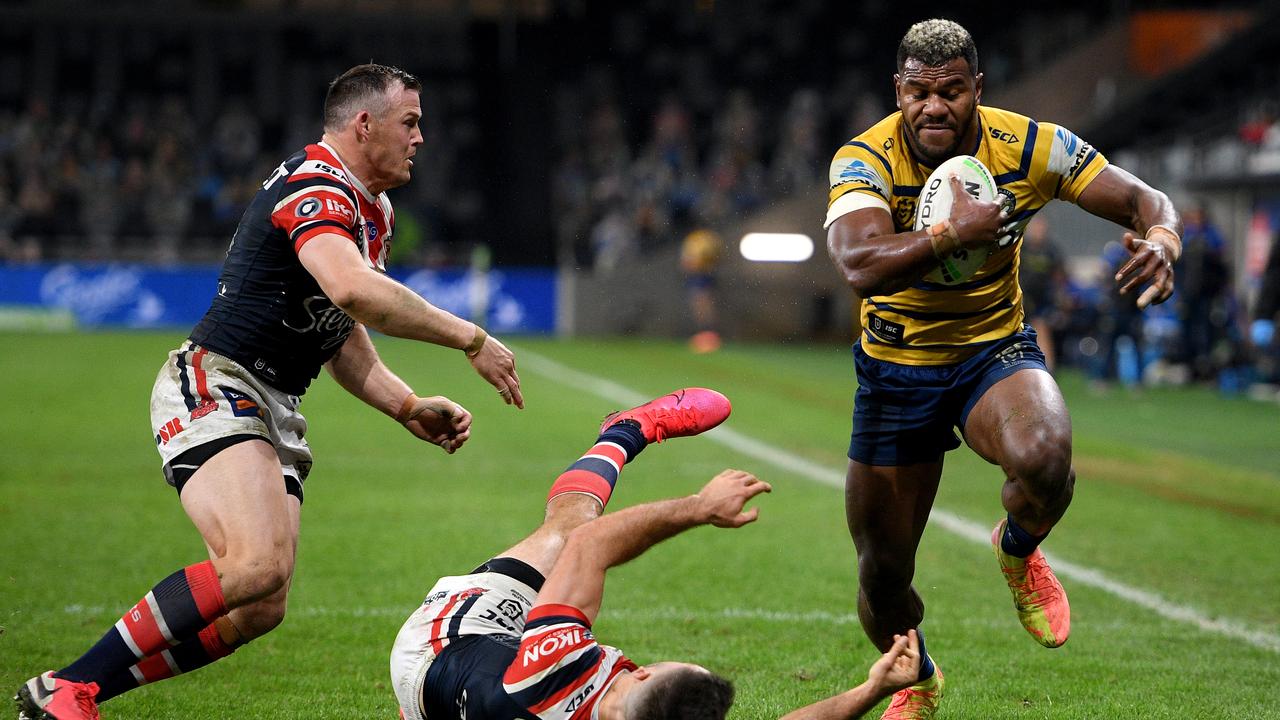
850, 201
557, 610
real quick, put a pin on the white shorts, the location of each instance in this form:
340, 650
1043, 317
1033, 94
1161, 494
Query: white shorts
204, 402
494, 601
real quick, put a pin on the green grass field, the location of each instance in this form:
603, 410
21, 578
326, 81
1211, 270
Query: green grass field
1177, 506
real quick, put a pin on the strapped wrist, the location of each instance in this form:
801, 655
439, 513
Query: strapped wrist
406, 407
1167, 237
477, 342
944, 239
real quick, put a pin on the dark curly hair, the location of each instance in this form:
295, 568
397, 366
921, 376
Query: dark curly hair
935, 42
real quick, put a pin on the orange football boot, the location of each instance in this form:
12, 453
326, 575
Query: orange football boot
1037, 595
918, 702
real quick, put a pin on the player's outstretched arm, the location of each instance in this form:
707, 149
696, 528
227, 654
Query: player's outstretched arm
896, 669
360, 371
578, 576
496, 364
375, 300
1122, 198
876, 260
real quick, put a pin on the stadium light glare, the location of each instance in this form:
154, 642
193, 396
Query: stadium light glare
776, 247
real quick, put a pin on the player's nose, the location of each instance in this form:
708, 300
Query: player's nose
934, 106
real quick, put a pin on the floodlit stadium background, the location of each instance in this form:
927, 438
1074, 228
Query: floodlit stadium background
587, 139
570, 148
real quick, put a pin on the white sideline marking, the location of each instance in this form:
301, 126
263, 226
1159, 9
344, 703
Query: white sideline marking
964, 528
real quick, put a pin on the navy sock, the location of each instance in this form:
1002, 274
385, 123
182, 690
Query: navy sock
117, 683
108, 654
192, 654
1018, 542
626, 434
175, 609
927, 668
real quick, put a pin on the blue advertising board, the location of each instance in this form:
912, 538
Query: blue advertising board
518, 300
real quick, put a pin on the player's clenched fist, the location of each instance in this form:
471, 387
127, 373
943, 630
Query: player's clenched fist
438, 420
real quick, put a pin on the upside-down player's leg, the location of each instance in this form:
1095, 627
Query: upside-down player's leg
495, 598
1021, 424
887, 508
582, 491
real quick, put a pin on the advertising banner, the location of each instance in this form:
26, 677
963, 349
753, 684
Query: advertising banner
517, 300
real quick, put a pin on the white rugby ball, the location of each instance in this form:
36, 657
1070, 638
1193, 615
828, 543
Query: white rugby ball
935, 204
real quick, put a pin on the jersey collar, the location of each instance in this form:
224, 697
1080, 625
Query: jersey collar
977, 144
355, 181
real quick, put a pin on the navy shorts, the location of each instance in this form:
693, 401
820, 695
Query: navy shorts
907, 414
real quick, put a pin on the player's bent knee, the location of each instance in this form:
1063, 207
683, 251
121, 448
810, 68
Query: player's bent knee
261, 618
1042, 463
256, 577
883, 574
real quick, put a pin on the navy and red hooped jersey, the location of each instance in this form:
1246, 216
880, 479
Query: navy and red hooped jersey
270, 314
554, 671
494, 655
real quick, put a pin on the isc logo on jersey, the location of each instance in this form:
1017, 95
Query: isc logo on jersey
935, 204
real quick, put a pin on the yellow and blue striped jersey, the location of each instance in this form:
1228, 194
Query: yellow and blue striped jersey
932, 323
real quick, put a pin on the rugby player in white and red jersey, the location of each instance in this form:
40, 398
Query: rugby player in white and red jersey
304, 276
513, 638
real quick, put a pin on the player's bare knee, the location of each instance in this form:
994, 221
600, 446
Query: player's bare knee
881, 574
1041, 464
259, 618
255, 576
262, 617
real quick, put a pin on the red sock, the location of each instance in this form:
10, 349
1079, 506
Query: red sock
594, 474
213, 643
175, 609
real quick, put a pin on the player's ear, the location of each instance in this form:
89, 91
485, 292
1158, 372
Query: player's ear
897, 83
362, 121
977, 88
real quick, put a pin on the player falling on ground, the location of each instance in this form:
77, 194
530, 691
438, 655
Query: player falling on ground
513, 638
302, 279
933, 357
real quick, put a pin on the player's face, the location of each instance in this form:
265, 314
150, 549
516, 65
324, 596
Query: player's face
939, 104
394, 138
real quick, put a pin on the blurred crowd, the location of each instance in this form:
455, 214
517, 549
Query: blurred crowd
667, 119
1207, 333
674, 120
153, 183
614, 201
666, 115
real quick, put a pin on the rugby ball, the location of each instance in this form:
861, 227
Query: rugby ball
935, 204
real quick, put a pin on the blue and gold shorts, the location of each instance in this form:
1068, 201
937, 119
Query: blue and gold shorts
908, 414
